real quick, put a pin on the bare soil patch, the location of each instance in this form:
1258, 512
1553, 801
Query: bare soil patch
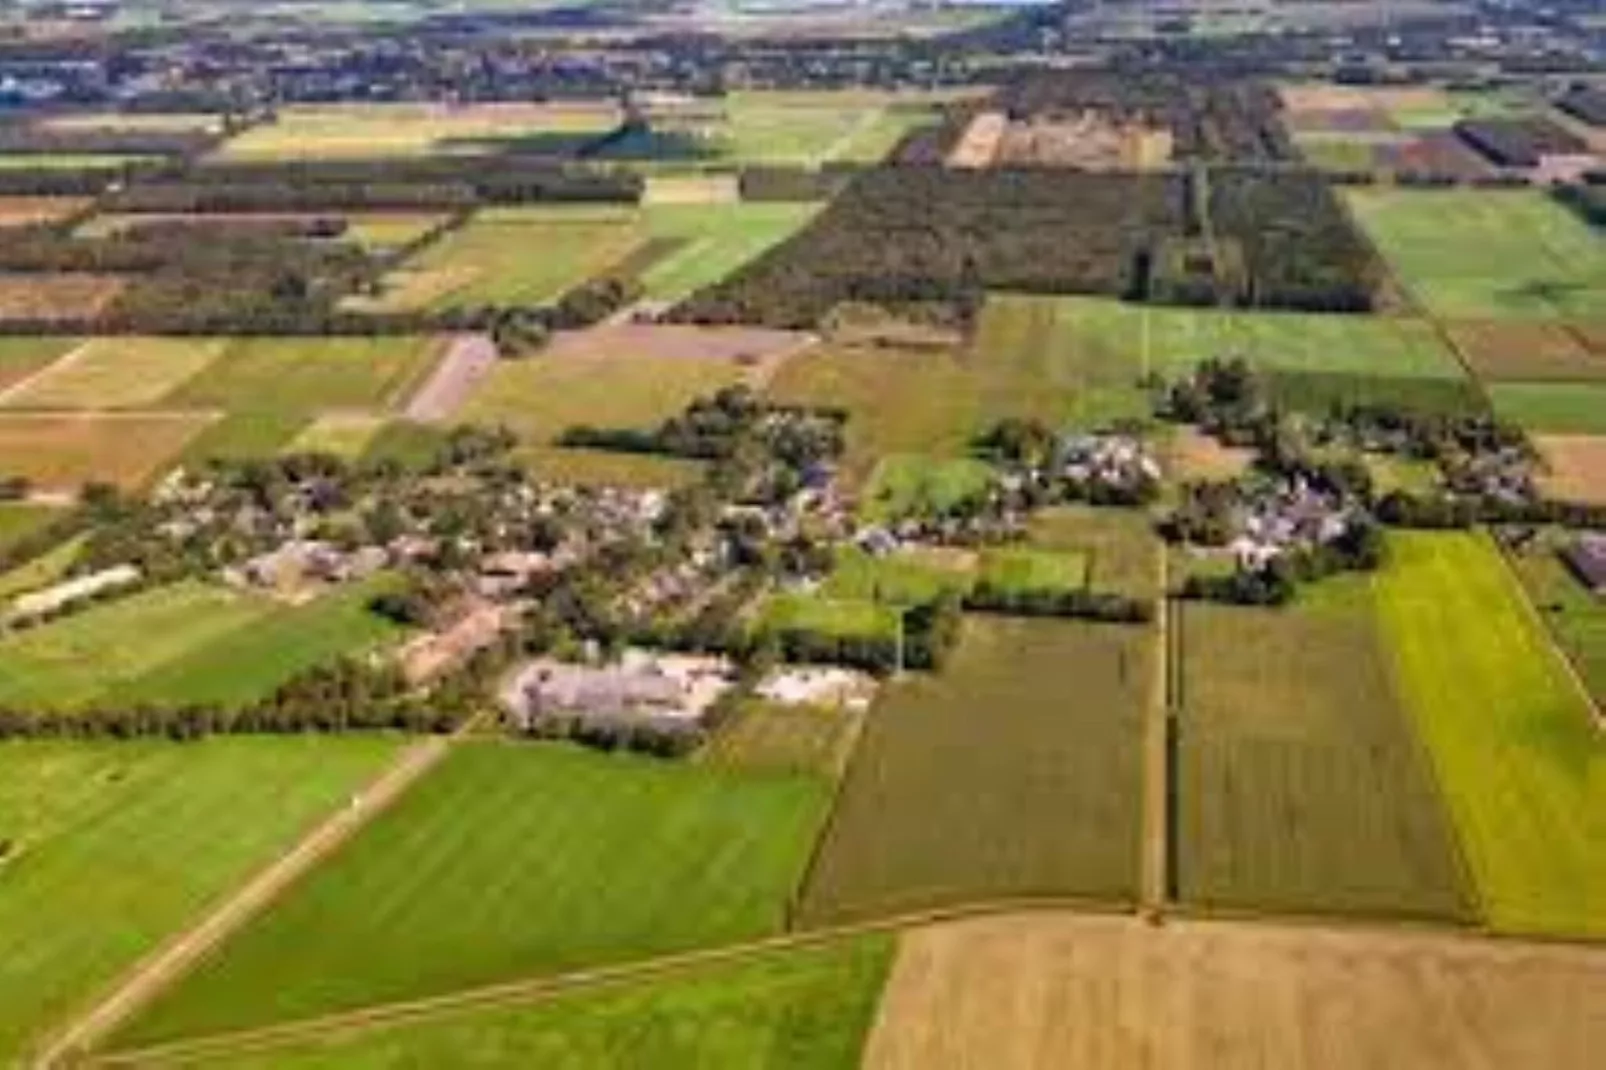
762, 351
1577, 467
1199, 456
56, 297
1528, 351
692, 189
1087, 140
62, 452
978, 146
26, 211
1050, 991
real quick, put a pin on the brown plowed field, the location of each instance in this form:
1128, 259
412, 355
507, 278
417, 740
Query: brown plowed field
1052, 991
1525, 351
1577, 467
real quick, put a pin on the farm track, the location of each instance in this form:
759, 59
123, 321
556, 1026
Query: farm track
172, 960
538, 990
1157, 877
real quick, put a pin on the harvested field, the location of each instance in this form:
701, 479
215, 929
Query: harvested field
1088, 141
114, 373
62, 453
1553, 408
309, 375
1512, 739
54, 298
1301, 784
691, 189
22, 357
1577, 467
358, 131
1044, 991
993, 779
1496, 350
1320, 97
135, 122
27, 211
656, 857
978, 145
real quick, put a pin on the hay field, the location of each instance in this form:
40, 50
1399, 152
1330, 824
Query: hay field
1301, 786
63, 452
116, 846
510, 860
994, 779
57, 298
309, 375
808, 1008
1045, 991
358, 131
26, 211
509, 256
1487, 254
1536, 351
114, 373
1511, 738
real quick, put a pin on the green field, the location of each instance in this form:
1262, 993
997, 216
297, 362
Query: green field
18, 519
510, 860
115, 373
910, 484
1487, 253
95, 653
842, 617
510, 256
1301, 784
41, 571
601, 468
1575, 616
906, 577
811, 128
794, 739
1120, 546
713, 241
344, 434
1511, 739
809, 1009
1555, 408
116, 846
68, 161
1017, 568
309, 375
996, 778
248, 662
245, 435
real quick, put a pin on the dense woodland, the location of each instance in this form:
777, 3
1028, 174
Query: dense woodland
1518, 142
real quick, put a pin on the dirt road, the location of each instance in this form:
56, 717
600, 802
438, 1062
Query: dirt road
469, 358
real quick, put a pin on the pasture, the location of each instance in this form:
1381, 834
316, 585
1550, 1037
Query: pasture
1301, 785
309, 375
509, 256
1510, 736
906, 577
575, 859
98, 652
1552, 408
63, 452
114, 373
57, 298
994, 780
41, 571
1025, 569
22, 357
908, 484
363, 131
1486, 254
1060, 990
840, 617
805, 1009
116, 846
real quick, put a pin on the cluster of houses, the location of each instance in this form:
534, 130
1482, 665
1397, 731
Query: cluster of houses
1285, 513
639, 686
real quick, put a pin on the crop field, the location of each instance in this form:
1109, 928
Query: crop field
173, 122
114, 373
489, 261
1027, 569
22, 357
116, 846
993, 779
60, 297
344, 434
905, 577
357, 131
1487, 254
576, 859
308, 375
1120, 546
1506, 350
842, 617
809, 128
713, 241
27, 211
1553, 408
1320, 392
1040, 990
18, 519
805, 1009
41, 571
1576, 467
68, 161
96, 653
1511, 739
904, 484
602, 468
373, 229
1575, 617
244, 435
243, 663
789, 739
1301, 785
542, 398
61, 453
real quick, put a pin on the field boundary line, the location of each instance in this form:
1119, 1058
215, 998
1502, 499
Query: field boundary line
174, 958
1156, 876
537, 990
27, 382
1552, 640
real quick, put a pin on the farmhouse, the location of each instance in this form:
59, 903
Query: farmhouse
640, 686
1587, 559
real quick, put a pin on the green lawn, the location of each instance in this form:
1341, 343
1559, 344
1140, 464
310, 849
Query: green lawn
308, 375
94, 654
907, 484
1018, 568
715, 240
116, 846
809, 1009
904, 578
506, 861
831, 616
1487, 253
246, 663
1510, 736
1555, 408
245, 435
